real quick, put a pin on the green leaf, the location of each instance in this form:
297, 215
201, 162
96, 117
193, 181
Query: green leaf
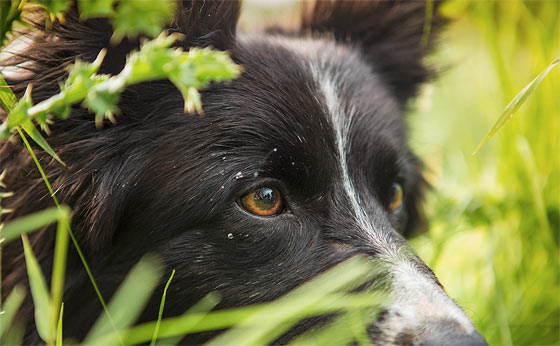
9, 13
53, 6
198, 319
59, 326
7, 97
95, 8
517, 101
36, 136
59, 268
128, 302
161, 306
39, 292
135, 17
28, 223
17, 112
10, 308
17, 116
265, 326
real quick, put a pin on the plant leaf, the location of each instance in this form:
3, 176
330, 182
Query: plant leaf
161, 306
36, 136
59, 326
35, 221
517, 101
134, 17
19, 118
7, 97
39, 292
95, 8
10, 308
9, 13
59, 268
265, 326
129, 300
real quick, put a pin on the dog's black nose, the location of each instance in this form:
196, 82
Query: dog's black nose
448, 333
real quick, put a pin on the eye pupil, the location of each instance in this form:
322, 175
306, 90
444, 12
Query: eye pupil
397, 194
264, 201
265, 198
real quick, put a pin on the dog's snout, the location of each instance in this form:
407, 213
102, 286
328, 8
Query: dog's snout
450, 333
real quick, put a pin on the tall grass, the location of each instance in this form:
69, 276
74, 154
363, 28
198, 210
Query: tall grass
495, 216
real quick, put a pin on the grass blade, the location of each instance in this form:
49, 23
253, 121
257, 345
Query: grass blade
199, 319
59, 268
74, 240
39, 292
517, 101
59, 326
161, 306
10, 309
28, 223
265, 326
128, 301
178, 326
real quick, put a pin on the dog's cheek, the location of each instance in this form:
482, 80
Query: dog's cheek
251, 261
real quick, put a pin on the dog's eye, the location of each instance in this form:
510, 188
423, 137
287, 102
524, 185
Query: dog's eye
396, 203
264, 201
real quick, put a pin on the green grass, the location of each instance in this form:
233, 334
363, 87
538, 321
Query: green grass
494, 236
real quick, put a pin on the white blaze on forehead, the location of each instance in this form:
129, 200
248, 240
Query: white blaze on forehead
342, 121
417, 297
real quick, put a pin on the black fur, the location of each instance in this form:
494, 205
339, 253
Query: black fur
164, 182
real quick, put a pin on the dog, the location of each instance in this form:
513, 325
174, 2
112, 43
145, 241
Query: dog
295, 166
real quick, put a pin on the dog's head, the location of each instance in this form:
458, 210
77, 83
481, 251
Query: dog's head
296, 165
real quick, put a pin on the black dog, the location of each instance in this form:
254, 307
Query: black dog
296, 165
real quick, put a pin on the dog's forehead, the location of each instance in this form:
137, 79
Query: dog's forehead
303, 92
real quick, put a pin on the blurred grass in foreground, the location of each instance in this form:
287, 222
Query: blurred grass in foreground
495, 216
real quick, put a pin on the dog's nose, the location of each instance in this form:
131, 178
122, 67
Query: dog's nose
447, 333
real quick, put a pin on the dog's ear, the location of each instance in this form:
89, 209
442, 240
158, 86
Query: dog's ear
208, 23
389, 33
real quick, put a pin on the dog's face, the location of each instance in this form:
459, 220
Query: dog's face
295, 166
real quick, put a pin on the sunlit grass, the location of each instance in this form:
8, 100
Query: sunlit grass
493, 239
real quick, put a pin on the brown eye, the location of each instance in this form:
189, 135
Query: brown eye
264, 201
396, 203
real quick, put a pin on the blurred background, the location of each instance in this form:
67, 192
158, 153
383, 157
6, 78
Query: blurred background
493, 237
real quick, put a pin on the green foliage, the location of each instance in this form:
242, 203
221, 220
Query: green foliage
99, 93
189, 71
13, 229
10, 12
39, 292
134, 17
127, 303
517, 101
261, 324
9, 311
495, 217
160, 313
96, 8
